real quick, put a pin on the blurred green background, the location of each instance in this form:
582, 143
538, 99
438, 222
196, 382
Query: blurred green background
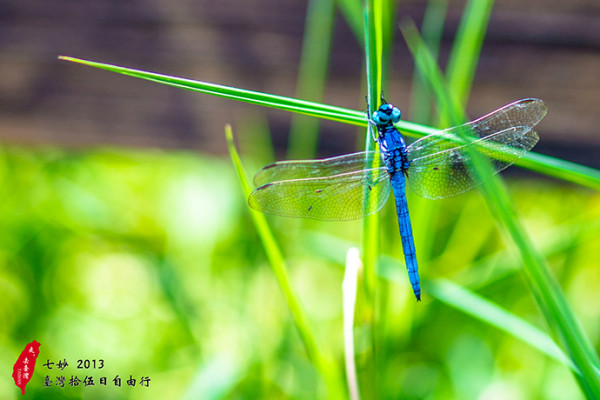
125, 235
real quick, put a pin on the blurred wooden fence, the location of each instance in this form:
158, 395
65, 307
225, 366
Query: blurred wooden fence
545, 48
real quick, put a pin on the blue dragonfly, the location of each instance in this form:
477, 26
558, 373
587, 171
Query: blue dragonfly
436, 166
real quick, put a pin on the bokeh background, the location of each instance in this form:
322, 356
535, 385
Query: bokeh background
125, 235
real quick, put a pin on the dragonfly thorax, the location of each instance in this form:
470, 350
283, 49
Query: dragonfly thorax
391, 142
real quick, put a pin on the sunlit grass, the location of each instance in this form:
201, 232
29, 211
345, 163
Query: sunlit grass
157, 254
543, 285
316, 355
551, 166
208, 293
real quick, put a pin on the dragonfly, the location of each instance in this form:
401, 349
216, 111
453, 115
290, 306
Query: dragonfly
436, 166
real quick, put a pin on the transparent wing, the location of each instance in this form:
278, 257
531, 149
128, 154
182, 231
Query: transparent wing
289, 170
333, 198
526, 113
440, 163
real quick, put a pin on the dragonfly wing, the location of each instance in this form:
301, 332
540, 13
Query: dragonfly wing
445, 172
339, 197
525, 113
290, 170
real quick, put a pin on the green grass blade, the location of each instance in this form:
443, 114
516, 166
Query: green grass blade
263, 99
373, 49
451, 110
460, 298
349, 287
476, 306
561, 169
371, 238
544, 287
470, 303
557, 168
494, 315
448, 105
432, 29
464, 56
352, 12
322, 363
312, 75
314, 109
386, 18
373, 54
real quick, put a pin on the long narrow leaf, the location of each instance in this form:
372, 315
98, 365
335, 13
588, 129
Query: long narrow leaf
322, 363
311, 76
478, 307
464, 56
431, 28
545, 289
371, 237
450, 106
558, 168
264, 99
352, 12
460, 298
349, 287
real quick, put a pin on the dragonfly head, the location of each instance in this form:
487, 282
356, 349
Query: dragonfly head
386, 114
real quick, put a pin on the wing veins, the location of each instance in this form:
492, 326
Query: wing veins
333, 198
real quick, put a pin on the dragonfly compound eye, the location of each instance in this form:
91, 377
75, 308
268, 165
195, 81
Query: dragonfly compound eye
386, 108
396, 114
382, 118
375, 117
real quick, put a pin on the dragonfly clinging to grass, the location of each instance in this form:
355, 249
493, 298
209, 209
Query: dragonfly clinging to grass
355, 185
